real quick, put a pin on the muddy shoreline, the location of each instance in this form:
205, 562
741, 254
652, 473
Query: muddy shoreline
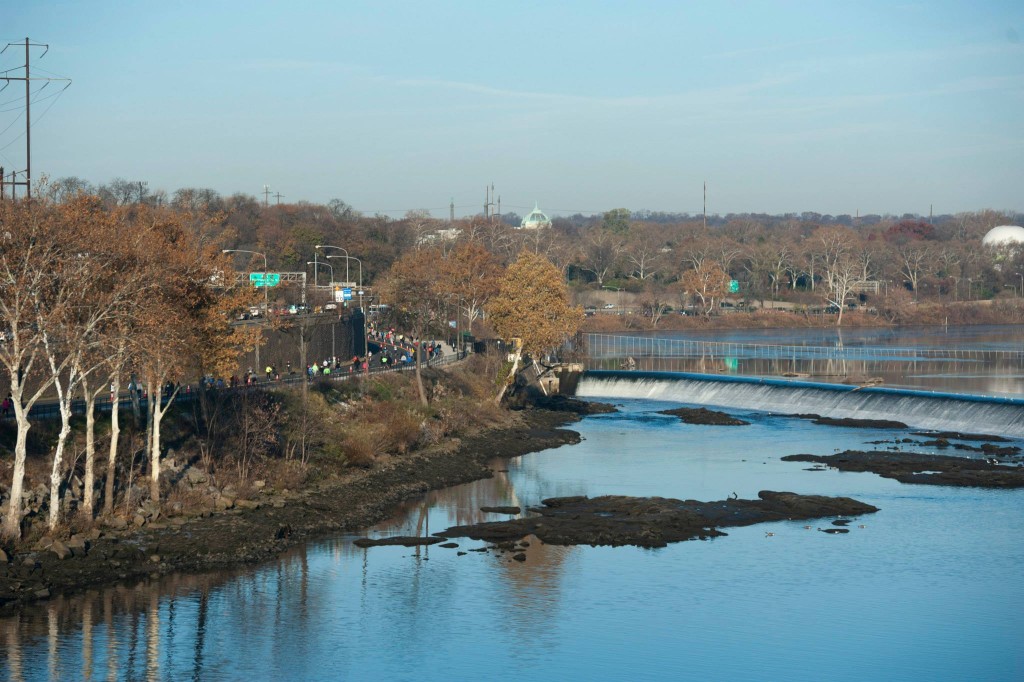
275, 522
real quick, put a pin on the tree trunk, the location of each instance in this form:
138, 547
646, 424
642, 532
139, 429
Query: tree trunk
419, 378
510, 378
90, 447
154, 453
12, 519
115, 432
58, 456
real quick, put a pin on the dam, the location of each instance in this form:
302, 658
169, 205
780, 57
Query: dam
918, 409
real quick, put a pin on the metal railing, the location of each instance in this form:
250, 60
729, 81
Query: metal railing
607, 346
51, 410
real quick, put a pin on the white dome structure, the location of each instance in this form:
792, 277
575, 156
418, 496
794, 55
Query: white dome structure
535, 220
1004, 235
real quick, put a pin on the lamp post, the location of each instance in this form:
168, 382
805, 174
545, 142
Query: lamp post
326, 265
619, 290
328, 246
266, 293
347, 259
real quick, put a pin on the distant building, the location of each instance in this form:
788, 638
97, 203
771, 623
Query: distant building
447, 235
1004, 236
535, 220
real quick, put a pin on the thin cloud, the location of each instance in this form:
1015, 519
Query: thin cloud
731, 54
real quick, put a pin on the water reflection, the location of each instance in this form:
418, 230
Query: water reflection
999, 377
192, 626
977, 360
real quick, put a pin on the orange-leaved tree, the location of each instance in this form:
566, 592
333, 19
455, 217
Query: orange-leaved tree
707, 282
532, 304
411, 287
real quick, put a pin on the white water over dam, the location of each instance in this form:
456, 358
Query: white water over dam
918, 409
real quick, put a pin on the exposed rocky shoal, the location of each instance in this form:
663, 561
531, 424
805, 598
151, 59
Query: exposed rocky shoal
851, 422
653, 521
924, 469
702, 415
501, 510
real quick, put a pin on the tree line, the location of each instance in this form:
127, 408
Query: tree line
668, 258
94, 298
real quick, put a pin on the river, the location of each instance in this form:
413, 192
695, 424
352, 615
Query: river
927, 589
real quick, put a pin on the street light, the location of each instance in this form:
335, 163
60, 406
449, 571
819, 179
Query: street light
328, 246
326, 265
347, 259
619, 290
266, 293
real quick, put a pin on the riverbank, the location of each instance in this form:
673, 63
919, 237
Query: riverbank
997, 312
257, 530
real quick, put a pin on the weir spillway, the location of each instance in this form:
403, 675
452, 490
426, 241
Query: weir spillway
919, 409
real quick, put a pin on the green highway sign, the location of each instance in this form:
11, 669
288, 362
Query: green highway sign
272, 279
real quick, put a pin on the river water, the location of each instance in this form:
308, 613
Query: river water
928, 589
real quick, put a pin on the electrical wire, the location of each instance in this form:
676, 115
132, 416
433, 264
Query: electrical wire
34, 101
39, 118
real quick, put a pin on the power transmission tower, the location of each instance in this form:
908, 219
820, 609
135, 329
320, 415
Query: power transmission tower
278, 197
27, 173
488, 202
266, 195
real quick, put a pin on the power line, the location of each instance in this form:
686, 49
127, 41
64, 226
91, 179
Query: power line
27, 172
38, 118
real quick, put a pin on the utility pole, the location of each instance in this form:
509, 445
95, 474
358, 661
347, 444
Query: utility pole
499, 208
278, 197
705, 204
451, 207
266, 196
27, 182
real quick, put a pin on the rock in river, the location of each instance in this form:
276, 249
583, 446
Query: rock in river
653, 521
702, 415
403, 540
909, 467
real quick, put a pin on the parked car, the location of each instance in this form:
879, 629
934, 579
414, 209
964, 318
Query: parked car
609, 306
331, 306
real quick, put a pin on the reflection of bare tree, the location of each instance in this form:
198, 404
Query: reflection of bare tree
87, 638
153, 637
52, 640
200, 637
12, 645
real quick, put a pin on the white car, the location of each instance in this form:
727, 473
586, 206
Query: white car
609, 306
331, 306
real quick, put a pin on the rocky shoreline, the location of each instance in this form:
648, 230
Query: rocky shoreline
257, 530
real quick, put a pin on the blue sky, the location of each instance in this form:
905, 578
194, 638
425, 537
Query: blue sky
876, 107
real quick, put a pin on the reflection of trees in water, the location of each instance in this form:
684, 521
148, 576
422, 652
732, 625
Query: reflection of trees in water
986, 374
159, 629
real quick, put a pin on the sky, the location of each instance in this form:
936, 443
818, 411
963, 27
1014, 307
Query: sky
832, 107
